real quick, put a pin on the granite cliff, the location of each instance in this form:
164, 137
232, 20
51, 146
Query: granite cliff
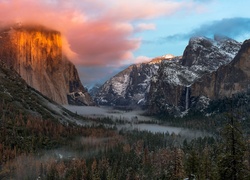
175, 87
35, 52
130, 86
175, 84
227, 80
212, 66
18, 96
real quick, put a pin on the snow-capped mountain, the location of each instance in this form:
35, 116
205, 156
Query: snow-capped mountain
94, 90
170, 88
130, 86
163, 84
202, 55
208, 54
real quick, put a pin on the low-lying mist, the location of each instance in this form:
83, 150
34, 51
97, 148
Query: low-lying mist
93, 111
33, 166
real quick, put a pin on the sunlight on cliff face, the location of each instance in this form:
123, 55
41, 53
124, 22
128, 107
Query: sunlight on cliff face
36, 54
37, 40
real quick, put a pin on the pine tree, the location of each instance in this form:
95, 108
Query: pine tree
231, 160
178, 164
94, 171
208, 164
192, 164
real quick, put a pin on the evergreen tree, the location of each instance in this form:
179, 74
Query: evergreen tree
208, 165
178, 163
94, 170
231, 160
192, 164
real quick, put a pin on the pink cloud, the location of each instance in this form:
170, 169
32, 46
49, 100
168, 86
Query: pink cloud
96, 32
142, 9
145, 26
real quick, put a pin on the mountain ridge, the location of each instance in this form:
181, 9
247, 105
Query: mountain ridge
128, 87
169, 88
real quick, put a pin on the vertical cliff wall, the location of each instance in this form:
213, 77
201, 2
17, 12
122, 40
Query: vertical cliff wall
227, 80
36, 54
129, 87
205, 71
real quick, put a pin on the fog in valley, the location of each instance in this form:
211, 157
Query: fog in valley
134, 120
94, 111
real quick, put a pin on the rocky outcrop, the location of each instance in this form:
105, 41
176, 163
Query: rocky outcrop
227, 80
209, 53
129, 87
175, 84
175, 87
35, 52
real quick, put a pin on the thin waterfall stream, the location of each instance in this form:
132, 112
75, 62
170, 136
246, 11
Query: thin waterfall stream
187, 98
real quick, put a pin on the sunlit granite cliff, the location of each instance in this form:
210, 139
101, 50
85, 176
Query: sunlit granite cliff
35, 52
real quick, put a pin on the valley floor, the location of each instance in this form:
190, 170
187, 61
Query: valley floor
106, 111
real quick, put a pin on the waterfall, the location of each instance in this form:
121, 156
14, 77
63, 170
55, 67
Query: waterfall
187, 98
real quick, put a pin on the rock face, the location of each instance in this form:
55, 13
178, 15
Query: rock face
129, 87
208, 53
172, 84
36, 54
209, 69
17, 95
179, 86
94, 90
227, 80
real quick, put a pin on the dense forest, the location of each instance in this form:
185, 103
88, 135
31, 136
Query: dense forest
32, 147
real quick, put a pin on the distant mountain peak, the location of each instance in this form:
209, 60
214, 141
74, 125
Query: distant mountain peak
172, 86
166, 80
201, 50
159, 59
199, 39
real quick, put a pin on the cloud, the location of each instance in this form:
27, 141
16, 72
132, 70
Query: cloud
145, 26
141, 9
231, 27
97, 32
98, 35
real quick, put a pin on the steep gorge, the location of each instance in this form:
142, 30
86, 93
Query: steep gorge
35, 52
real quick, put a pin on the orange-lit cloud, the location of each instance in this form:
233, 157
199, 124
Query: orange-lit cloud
97, 32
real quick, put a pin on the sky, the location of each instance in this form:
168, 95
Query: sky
103, 37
